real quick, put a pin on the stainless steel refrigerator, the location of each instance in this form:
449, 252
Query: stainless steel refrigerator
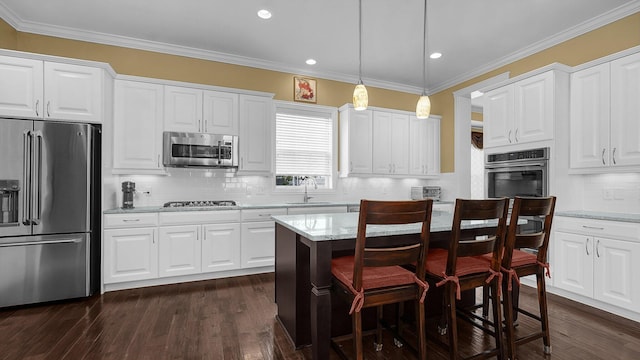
49, 211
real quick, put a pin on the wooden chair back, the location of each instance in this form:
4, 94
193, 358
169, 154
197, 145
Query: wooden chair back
541, 207
392, 213
487, 240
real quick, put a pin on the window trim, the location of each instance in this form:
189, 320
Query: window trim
308, 110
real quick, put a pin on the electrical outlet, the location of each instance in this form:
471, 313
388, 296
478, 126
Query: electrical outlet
619, 194
607, 194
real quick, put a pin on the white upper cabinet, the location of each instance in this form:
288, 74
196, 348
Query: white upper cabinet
356, 142
589, 120
195, 110
220, 112
424, 146
137, 125
521, 112
255, 134
72, 92
182, 109
390, 145
605, 108
625, 111
22, 87
49, 90
387, 142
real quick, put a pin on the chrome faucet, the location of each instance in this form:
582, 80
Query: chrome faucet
306, 180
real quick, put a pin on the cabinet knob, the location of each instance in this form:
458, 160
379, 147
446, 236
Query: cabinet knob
603, 150
586, 246
613, 156
37, 106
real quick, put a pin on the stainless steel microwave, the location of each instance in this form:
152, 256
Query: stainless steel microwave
200, 150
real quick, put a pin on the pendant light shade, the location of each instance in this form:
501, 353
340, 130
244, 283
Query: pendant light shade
423, 108
360, 95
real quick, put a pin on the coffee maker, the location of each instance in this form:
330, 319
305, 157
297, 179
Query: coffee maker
128, 189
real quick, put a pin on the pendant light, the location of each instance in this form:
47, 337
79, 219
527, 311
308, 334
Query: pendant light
360, 96
423, 108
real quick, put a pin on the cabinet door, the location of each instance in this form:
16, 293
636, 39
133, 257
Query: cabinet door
182, 109
137, 125
220, 113
73, 92
418, 146
573, 263
360, 135
179, 250
255, 133
589, 119
221, 247
382, 143
130, 254
21, 88
616, 264
258, 244
433, 146
625, 111
498, 117
533, 108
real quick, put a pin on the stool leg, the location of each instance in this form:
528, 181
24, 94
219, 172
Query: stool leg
509, 309
357, 334
544, 316
421, 330
497, 317
378, 343
452, 327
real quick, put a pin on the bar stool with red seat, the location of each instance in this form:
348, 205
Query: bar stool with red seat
373, 276
517, 263
462, 267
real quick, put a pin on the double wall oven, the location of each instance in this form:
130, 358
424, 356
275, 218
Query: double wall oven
518, 173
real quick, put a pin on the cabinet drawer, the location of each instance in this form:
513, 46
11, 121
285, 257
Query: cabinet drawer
603, 228
262, 214
130, 220
199, 217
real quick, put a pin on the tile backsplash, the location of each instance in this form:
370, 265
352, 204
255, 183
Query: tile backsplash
199, 184
612, 192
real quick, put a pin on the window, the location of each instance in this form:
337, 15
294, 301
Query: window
305, 146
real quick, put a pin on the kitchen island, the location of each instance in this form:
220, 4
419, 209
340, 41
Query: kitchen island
305, 245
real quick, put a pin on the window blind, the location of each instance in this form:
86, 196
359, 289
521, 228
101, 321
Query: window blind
303, 145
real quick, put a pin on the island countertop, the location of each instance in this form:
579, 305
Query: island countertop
323, 227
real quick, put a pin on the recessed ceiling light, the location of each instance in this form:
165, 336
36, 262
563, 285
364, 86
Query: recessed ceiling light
476, 94
435, 55
264, 14
311, 61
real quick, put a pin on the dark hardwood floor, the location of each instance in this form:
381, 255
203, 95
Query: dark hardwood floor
234, 318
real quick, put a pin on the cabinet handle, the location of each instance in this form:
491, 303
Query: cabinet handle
509, 137
199, 125
131, 220
204, 125
586, 246
603, 163
158, 160
37, 106
516, 135
350, 166
48, 108
613, 156
598, 248
592, 227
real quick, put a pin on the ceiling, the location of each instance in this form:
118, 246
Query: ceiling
474, 36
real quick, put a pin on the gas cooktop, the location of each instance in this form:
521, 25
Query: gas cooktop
204, 203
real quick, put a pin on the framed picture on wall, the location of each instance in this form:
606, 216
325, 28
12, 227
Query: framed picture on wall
304, 89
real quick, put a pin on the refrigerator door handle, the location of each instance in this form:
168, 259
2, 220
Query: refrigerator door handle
37, 179
26, 177
26, 243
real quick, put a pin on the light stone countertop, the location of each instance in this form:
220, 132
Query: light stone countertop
322, 227
600, 215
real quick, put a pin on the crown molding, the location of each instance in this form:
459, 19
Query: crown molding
122, 41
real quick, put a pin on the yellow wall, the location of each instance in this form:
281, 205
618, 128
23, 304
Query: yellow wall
476, 116
606, 40
8, 36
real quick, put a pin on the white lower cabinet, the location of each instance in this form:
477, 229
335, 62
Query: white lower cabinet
179, 252
598, 259
221, 247
130, 254
258, 237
